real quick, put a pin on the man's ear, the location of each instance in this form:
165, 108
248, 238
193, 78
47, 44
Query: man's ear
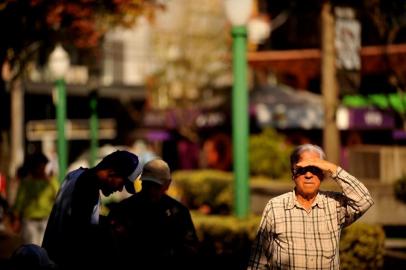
166, 186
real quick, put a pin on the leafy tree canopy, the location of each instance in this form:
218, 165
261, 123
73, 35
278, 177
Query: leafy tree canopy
32, 26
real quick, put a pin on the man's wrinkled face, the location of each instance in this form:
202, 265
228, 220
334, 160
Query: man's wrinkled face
307, 179
110, 181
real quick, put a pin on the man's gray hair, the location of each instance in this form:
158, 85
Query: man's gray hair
295, 156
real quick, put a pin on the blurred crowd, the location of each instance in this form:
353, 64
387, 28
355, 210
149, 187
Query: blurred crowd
25, 208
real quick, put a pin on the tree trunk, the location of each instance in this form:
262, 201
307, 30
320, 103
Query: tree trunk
17, 127
331, 135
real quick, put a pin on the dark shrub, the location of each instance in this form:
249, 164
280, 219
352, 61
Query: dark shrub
269, 154
205, 188
362, 247
225, 240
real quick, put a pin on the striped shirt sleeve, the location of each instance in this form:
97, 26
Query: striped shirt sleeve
355, 199
261, 248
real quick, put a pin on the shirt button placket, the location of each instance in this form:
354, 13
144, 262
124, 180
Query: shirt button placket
310, 241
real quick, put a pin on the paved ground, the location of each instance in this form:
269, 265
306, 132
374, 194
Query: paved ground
395, 254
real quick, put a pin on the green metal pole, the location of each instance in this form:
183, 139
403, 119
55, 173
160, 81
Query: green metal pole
240, 122
61, 118
94, 128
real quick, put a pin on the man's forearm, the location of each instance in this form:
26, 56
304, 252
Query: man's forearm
358, 196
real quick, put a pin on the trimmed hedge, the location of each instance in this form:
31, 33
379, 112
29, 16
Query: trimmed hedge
210, 188
362, 246
269, 154
226, 241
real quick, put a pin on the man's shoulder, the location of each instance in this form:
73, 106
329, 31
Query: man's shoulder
173, 202
75, 173
329, 195
282, 200
174, 206
72, 177
69, 185
129, 201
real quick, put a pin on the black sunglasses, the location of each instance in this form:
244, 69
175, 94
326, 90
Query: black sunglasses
303, 170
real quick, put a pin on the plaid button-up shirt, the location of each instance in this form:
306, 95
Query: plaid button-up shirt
289, 237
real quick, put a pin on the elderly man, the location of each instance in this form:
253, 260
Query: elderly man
151, 229
301, 229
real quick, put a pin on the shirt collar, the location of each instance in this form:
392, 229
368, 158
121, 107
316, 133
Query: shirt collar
292, 201
319, 201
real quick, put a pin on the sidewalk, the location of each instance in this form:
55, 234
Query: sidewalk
395, 254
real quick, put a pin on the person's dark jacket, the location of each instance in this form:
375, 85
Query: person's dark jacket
154, 235
73, 236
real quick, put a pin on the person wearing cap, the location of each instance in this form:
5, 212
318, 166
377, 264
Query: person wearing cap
301, 228
151, 229
73, 236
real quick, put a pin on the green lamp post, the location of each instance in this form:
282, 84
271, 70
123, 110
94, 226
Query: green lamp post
238, 12
94, 128
59, 64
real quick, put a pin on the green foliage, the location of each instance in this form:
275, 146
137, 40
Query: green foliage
400, 189
269, 154
222, 225
362, 247
225, 240
205, 187
211, 189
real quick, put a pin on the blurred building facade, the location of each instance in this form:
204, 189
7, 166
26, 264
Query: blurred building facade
165, 81
370, 51
169, 78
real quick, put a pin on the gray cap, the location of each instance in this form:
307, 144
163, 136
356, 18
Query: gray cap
156, 171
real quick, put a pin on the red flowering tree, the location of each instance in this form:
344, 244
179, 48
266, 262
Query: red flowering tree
29, 29
32, 26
